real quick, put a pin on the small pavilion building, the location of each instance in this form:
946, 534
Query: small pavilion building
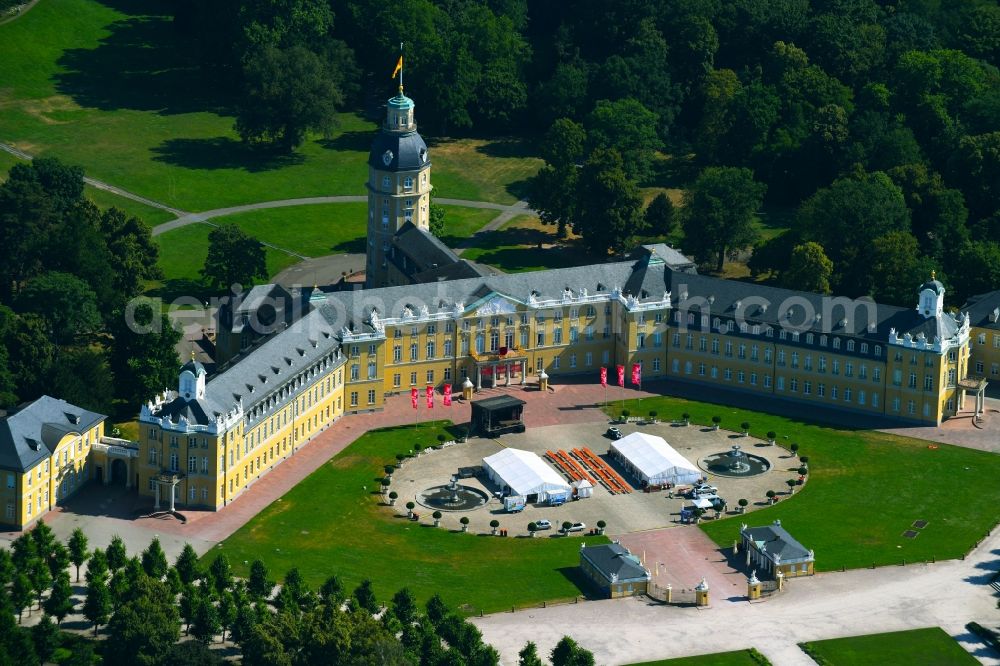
614, 570
497, 415
654, 462
772, 549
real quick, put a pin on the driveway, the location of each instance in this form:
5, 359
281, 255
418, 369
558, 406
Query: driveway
831, 605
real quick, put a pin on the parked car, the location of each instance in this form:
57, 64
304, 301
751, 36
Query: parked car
577, 527
613, 433
543, 525
703, 489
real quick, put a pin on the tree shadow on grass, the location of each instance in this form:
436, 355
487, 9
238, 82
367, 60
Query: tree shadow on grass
356, 141
185, 288
511, 148
222, 152
139, 65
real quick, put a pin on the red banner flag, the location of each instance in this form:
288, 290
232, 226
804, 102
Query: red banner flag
414, 396
636, 374
429, 392
604, 377
447, 395
621, 376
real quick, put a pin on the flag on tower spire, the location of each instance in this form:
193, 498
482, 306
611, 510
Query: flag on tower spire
399, 67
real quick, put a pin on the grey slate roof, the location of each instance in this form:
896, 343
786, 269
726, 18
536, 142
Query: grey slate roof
256, 377
777, 541
984, 310
406, 149
613, 558
422, 250
30, 434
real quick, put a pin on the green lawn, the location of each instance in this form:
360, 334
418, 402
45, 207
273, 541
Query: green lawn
328, 524
312, 231
104, 86
182, 255
865, 489
902, 648
737, 658
514, 248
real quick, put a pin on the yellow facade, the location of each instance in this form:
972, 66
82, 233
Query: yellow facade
29, 495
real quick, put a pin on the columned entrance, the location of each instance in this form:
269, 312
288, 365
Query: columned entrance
505, 367
166, 490
977, 387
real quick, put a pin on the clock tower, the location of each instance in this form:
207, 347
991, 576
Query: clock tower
399, 185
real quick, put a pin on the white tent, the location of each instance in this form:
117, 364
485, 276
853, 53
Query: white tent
526, 474
654, 461
583, 488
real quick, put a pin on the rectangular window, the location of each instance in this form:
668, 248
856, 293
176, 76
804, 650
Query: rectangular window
396, 381
555, 363
371, 397
430, 376
767, 381
354, 398
372, 370
192, 464
413, 379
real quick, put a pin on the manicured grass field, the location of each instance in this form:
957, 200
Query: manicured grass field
105, 86
312, 231
182, 255
864, 490
737, 658
514, 248
329, 524
899, 648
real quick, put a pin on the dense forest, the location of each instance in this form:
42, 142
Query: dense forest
876, 122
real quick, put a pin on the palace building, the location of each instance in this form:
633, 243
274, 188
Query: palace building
427, 318
48, 450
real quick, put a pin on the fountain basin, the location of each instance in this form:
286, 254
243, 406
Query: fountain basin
735, 463
453, 497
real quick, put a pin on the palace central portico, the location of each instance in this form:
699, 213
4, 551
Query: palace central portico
506, 364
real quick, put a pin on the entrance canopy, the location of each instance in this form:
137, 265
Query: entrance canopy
654, 461
525, 474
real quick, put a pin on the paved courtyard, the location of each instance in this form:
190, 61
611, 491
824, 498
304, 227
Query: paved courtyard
623, 513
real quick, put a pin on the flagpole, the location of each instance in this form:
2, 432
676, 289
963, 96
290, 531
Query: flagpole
401, 67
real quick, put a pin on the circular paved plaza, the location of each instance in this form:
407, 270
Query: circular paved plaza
623, 513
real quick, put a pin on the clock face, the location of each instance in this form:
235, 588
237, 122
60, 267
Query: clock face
423, 154
387, 157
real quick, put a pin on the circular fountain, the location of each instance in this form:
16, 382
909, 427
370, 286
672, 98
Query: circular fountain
453, 497
736, 462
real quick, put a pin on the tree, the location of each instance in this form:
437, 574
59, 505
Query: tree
97, 605
564, 144
227, 612
145, 626
288, 92
332, 591
528, 656
41, 578
494, 524
58, 560
896, 268
404, 606
45, 637
143, 359
553, 193
809, 269
630, 128
44, 539
845, 217
60, 601
365, 596
719, 212
743, 505
133, 251
659, 216
436, 609
187, 565
97, 569
568, 653
65, 302
234, 258
220, 574
258, 584
436, 219
610, 208
6, 569
154, 560
464, 520
296, 588
206, 623
21, 594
